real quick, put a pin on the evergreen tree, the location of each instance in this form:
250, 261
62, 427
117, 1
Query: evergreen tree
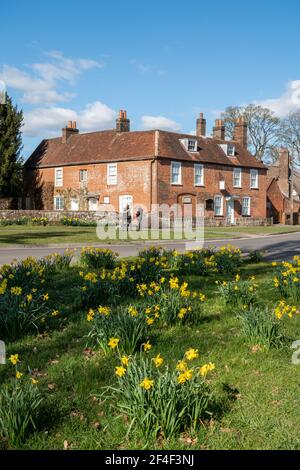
11, 120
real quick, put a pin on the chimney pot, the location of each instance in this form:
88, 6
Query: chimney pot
241, 131
201, 126
68, 131
122, 123
219, 130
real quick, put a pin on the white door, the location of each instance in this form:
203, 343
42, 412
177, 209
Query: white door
230, 211
74, 205
125, 201
93, 204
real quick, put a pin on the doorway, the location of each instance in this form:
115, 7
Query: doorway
230, 211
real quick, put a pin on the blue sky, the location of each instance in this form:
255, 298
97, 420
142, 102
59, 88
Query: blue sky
164, 61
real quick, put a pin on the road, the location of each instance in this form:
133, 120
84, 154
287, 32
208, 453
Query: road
275, 247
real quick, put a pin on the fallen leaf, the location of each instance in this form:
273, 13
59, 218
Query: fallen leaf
51, 386
66, 445
226, 430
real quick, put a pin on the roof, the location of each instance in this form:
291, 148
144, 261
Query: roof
111, 146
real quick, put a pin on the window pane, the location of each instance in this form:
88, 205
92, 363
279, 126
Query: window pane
176, 172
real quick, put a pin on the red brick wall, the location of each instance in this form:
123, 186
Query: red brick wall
147, 182
170, 194
275, 203
134, 178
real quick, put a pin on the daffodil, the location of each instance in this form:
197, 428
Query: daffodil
14, 359
147, 383
191, 354
113, 342
120, 371
147, 346
125, 360
158, 360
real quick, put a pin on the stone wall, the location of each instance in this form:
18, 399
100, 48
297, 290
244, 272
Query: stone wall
55, 216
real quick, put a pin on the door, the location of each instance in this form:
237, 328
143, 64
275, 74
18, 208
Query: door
93, 204
230, 211
74, 205
125, 201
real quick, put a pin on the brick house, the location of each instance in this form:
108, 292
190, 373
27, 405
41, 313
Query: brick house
283, 190
110, 169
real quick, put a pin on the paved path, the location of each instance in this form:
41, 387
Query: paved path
276, 247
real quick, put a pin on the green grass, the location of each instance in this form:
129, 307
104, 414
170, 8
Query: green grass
39, 235
257, 393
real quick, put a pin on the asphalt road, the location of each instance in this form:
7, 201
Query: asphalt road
275, 247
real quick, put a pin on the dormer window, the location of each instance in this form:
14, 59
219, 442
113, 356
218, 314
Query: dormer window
230, 150
190, 144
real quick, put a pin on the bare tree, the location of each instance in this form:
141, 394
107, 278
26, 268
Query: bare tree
263, 129
290, 135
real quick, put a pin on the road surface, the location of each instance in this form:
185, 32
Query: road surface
275, 247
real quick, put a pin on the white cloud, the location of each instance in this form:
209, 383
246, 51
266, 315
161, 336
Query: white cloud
47, 122
39, 85
288, 102
96, 116
159, 122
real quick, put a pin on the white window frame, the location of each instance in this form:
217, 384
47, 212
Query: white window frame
221, 207
83, 172
62, 205
230, 146
248, 207
112, 179
59, 181
255, 173
239, 170
191, 145
106, 200
200, 166
179, 182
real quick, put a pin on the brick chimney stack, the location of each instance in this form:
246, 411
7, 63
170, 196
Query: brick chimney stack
70, 129
122, 123
219, 130
241, 132
201, 126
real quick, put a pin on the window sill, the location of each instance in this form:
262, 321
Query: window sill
237, 187
254, 188
176, 184
199, 185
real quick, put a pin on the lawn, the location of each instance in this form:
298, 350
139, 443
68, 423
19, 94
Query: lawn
256, 391
40, 235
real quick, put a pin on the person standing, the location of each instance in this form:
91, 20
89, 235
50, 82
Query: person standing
127, 216
139, 216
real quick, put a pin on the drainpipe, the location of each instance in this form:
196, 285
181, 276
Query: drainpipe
291, 192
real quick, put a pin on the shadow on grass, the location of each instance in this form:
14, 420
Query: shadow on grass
23, 238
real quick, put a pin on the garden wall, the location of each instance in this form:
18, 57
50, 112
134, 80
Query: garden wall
55, 216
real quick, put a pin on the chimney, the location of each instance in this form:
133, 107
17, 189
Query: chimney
219, 130
122, 123
69, 130
241, 131
201, 126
